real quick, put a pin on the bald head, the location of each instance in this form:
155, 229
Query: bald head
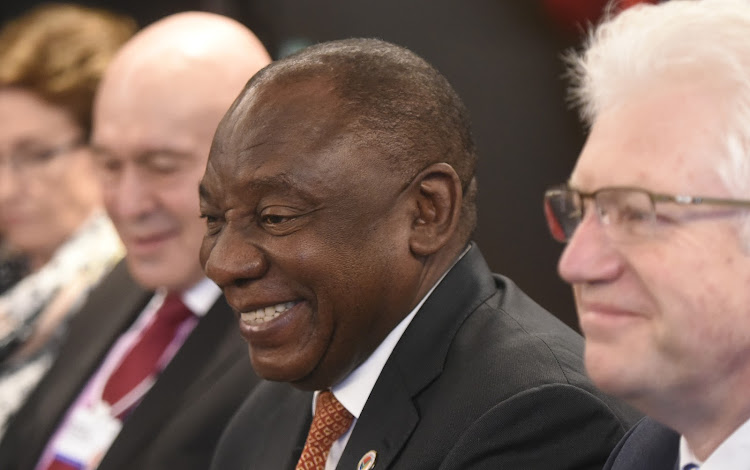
188, 64
155, 114
212, 52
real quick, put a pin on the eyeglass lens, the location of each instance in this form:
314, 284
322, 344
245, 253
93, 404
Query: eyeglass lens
563, 210
626, 213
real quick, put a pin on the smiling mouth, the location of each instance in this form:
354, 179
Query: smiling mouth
265, 314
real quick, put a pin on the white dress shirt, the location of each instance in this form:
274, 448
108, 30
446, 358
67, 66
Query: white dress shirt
732, 454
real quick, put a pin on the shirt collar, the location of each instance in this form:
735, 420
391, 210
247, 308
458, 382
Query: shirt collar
733, 453
686, 455
199, 298
355, 389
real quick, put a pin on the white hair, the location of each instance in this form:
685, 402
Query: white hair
706, 42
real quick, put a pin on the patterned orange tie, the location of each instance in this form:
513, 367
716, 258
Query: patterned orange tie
330, 422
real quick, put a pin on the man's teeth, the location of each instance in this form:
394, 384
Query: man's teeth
263, 315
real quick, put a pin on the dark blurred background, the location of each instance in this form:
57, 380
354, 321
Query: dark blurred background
502, 56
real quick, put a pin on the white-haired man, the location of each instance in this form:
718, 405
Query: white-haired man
655, 216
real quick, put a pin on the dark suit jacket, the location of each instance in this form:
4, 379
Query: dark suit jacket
482, 378
648, 446
180, 419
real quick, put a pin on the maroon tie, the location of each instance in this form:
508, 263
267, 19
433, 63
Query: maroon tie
143, 359
330, 422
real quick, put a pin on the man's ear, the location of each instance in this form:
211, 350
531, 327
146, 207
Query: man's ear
438, 196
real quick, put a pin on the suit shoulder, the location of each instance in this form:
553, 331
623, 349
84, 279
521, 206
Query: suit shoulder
513, 335
511, 345
551, 426
648, 444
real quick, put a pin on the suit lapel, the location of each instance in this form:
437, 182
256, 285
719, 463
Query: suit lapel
384, 426
297, 429
185, 376
390, 415
282, 430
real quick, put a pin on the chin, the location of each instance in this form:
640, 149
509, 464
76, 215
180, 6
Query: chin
288, 373
147, 280
154, 277
271, 372
606, 375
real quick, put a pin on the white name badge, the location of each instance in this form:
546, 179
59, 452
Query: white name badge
86, 437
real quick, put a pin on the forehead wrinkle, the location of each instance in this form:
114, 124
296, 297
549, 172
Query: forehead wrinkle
281, 114
281, 183
245, 152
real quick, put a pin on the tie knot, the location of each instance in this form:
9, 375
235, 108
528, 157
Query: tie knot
330, 422
144, 360
331, 416
173, 310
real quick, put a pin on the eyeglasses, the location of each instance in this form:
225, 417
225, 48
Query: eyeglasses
29, 161
626, 213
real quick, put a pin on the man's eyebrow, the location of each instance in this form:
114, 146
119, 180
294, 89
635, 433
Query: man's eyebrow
99, 150
26, 142
144, 155
155, 152
281, 183
149, 155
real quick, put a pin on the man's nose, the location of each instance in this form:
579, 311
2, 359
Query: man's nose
130, 196
231, 259
589, 255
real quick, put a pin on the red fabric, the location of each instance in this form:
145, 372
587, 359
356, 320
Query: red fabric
629, 3
330, 422
58, 465
142, 360
574, 15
